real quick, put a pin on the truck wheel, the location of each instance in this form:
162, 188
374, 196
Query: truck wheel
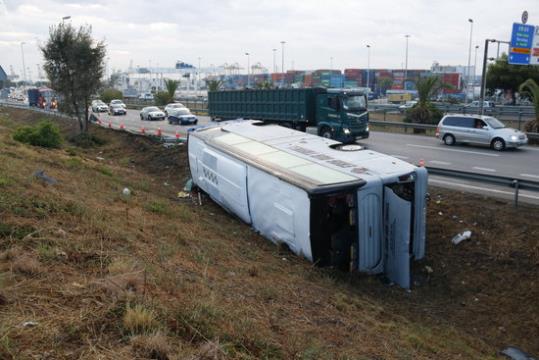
326, 132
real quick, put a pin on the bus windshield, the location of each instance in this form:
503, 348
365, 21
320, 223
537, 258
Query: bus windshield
355, 102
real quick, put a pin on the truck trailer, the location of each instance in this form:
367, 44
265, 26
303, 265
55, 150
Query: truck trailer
339, 114
337, 205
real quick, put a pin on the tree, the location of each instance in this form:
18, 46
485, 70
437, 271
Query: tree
264, 85
162, 98
424, 111
502, 75
172, 86
532, 89
214, 85
114, 79
110, 94
385, 84
74, 64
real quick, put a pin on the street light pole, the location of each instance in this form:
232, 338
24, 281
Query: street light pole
405, 64
368, 65
474, 69
198, 74
282, 56
274, 51
484, 74
469, 60
248, 72
331, 63
23, 64
65, 18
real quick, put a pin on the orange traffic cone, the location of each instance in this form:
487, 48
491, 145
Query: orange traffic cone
142, 130
110, 125
158, 132
122, 126
177, 135
422, 163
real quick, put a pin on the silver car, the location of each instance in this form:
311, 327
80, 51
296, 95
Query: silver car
152, 113
480, 130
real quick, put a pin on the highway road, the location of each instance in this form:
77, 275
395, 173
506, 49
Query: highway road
520, 163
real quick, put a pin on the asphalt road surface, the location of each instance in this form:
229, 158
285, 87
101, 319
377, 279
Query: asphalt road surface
522, 163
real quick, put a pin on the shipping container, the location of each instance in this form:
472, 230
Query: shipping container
339, 206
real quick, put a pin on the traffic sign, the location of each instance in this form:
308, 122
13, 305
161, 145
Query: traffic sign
524, 17
534, 59
521, 43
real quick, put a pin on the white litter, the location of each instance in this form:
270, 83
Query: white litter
126, 192
465, 235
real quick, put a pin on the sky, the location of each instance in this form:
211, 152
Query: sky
160, 32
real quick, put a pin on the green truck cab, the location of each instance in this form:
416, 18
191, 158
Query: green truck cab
340, 114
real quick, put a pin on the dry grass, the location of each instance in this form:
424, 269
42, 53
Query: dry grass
139, 320
26, 265
153, 346
207, 287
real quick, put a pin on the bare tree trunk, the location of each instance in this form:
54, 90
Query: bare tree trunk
86, 117
77, 114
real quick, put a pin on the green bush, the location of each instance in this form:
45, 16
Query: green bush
110, 94
426, 114
162, 98
44, 134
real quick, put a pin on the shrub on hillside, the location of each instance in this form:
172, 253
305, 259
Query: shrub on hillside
44, 134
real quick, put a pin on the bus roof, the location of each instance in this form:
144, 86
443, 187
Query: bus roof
311, 162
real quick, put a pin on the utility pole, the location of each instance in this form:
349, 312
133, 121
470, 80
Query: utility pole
469, 60
248, 72
484, 74
368, 66
23, 64
282, 62
406, 63
474, 69
274, 51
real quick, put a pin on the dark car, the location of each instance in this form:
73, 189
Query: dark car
116, 109
182, 116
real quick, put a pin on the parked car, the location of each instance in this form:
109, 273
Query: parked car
407, 105
118, 102
146, 96
480, 130
170, 107
488, 106
99, 106
152, 113
182, 116
117, 109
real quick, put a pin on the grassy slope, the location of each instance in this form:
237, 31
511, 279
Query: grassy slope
109, 277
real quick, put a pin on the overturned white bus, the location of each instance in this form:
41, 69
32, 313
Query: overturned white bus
336, 205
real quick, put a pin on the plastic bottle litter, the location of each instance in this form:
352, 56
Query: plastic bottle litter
126, 192
465, 235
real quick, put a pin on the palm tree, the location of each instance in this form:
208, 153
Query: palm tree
424, 111
532, 89
172, 86
214, 85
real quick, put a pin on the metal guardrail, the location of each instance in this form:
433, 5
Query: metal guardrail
514, 183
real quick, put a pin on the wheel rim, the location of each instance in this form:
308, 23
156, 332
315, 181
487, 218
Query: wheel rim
449, 140
326, 134
498, 145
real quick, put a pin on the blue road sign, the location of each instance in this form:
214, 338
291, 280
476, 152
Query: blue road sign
521, 43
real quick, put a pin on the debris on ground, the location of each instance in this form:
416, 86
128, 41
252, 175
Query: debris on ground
100, 158
29, 324
465, 235
188, 185
183, 194
40, 174
428, 269
126, 192
515, 353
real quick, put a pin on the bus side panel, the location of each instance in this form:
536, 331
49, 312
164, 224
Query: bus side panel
279, 211
420, 212
371, 244
223, 178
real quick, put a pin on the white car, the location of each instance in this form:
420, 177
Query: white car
117, 102
407, 105
173, 106
99, 106
152, 113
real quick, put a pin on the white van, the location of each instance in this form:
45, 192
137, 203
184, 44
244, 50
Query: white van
336, 205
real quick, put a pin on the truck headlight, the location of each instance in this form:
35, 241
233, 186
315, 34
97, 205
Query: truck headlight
346, 131
367, 128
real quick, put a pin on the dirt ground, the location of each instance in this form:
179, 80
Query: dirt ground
76, 258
